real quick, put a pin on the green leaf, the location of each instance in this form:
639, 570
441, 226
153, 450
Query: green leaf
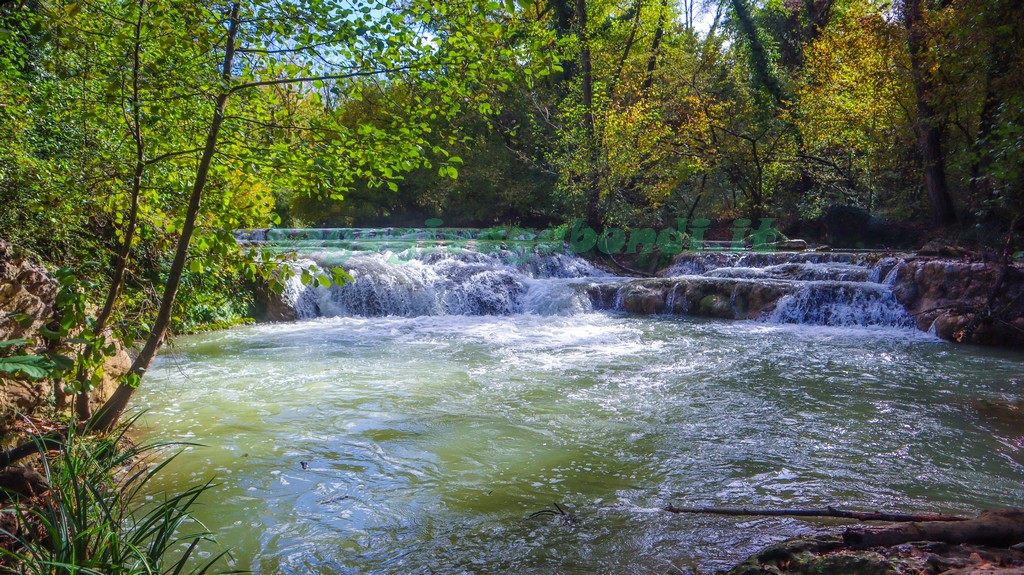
14, 342
340, 276
23, 320
50, 334
61, 362
33, 366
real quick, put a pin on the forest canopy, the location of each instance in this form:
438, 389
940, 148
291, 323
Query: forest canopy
621, 113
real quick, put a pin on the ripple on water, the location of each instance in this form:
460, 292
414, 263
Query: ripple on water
429, 440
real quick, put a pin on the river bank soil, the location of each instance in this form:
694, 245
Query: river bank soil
990, 544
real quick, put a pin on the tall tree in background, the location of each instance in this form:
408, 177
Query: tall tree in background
929, 120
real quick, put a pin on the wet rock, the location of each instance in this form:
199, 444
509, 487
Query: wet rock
941, 249
718, 297
271, 306
953, 298
715, 305
791, 246
644, 300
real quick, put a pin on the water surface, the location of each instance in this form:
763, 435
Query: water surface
428, 441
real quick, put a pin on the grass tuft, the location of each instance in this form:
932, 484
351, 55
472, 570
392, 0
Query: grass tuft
95, 518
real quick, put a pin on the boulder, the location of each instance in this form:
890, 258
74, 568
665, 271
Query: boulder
724, 298
644, 300
715, 305
28, 291
953, 297
938, 248
271, 306
26, 287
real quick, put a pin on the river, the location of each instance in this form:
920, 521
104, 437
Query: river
420, 437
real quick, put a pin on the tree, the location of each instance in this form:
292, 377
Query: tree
855, 104
241, 55
929, 121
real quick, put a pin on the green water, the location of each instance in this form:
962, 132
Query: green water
429, 441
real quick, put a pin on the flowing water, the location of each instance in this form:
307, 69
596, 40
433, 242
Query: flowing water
446, 398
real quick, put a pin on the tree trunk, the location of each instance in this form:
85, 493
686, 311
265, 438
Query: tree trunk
759, 59
998, 528
637, 8
593, 193
108, 415
659, 33
826, 512
929, 129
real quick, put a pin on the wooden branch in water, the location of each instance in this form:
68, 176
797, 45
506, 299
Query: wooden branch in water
995, 528
826, 512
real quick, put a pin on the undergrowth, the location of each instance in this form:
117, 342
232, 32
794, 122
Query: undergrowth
99, 518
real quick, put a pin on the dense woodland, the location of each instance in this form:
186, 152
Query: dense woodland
137, 135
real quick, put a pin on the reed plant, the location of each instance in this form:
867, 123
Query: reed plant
100, 517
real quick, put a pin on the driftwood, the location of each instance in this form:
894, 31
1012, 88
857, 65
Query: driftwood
996, 528
827, 512
21, 481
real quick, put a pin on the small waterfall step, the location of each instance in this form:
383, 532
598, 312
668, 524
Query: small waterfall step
819, 288
423, 272
463, 271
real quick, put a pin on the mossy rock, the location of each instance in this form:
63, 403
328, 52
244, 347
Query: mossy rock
815, 555
716, 305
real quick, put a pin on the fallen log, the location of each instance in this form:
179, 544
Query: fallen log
19, 481
995, 528
826, 512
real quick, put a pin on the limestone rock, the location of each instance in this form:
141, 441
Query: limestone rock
26, 287
791, 245
953, 296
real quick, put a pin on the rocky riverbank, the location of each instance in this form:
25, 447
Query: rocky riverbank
824, 553
960, 300
29, 291
986, 545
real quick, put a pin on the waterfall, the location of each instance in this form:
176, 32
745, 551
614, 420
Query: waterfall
432, 272
834, 289
439, 280
842, 304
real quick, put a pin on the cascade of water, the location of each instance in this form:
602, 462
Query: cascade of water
443, 282
842, 304
417, 272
